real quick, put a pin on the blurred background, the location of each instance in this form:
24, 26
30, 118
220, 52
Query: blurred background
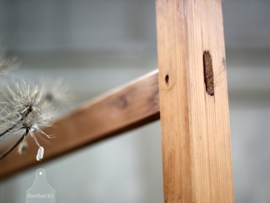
96, 45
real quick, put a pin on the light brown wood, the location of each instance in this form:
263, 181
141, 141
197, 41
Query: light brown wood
195, 123
121, 110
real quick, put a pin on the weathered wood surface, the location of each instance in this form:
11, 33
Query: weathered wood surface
195, 121
118, 111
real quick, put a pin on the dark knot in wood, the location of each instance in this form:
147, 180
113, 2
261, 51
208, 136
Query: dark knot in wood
122, 102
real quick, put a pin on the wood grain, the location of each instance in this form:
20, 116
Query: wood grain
195, 125
118, 111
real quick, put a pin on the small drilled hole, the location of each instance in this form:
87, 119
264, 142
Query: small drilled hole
167, 79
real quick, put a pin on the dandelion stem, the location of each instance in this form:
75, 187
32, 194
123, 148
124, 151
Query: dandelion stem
15, 145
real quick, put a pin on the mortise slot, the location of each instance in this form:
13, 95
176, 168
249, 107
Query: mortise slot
208, 73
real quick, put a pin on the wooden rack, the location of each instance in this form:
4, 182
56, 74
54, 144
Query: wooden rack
188, 94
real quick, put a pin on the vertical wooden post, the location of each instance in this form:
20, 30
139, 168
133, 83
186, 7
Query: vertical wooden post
193, 102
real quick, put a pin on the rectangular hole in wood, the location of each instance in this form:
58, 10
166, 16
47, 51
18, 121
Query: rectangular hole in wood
208, 73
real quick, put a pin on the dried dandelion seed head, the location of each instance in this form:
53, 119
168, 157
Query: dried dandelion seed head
21, 113
16, 122
25, 98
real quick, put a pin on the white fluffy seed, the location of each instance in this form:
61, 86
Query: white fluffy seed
40, 153
22, 149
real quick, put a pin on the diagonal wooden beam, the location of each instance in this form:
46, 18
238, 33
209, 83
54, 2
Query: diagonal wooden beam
121, 110
193, 102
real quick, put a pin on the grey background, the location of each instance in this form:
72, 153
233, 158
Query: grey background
97, 45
